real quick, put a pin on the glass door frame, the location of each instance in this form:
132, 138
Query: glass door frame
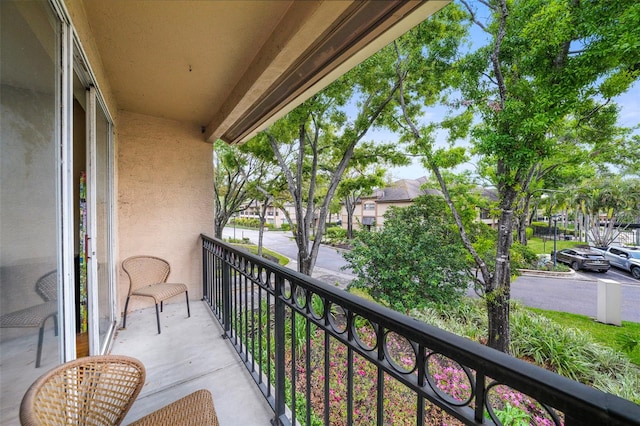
75, 63
93, 104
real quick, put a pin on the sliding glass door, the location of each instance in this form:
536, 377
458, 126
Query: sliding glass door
55, 201
30, 198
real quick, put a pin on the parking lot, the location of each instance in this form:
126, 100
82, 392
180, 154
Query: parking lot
614, 273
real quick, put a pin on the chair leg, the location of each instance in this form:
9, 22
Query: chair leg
188, 310
158, 318
162, 306
40, 339
124, 321
55, 324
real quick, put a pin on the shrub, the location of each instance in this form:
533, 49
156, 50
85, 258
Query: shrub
415, 259
567, 351
529, 232
335, 234
522, 257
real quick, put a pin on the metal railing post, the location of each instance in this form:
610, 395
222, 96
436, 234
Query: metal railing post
226, 297
205, 272
280, 381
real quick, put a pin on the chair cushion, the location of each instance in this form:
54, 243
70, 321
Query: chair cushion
32, 316
160, 291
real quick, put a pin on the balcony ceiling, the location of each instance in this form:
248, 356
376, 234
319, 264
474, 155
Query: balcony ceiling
235, 66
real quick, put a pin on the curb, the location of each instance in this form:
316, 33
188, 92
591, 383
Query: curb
537, 273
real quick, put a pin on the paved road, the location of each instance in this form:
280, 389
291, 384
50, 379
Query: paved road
282, 242
577, 294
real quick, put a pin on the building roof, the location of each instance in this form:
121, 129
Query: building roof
403, 190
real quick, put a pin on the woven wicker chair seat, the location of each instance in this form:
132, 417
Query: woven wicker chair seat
195, 409
33, 316
96, 390
160, 291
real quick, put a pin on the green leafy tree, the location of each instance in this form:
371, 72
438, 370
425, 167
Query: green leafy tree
235, 174
315, 143
267, 193
580, 148
326, 140
416, 259
545, 60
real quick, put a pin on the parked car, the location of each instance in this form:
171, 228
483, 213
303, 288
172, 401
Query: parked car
627, 258
583, 258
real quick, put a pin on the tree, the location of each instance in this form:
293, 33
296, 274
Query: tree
235, 173
365, 173
545, 61
356, 184
414, 260
266, 192
325, 142
607, 203
579, 149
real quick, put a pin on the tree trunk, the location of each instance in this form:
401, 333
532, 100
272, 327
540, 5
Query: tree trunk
523, 221
498, 315
260, 236
350, 207
263, 219
217, 229
498, 292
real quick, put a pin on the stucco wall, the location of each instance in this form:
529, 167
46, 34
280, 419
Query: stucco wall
165, 198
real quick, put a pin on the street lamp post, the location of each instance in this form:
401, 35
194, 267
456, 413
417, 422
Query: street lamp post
555, 239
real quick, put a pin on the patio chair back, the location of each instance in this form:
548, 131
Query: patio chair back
96, 390
47, 286
145, 270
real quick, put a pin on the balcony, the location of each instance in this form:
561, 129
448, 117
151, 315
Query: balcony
312, 349
251, 307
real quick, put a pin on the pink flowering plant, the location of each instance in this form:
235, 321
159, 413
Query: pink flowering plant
330, 385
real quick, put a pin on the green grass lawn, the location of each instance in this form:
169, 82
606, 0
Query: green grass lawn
607, 335
283, 260
541, 247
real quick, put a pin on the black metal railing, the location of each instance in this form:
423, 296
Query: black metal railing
321, 355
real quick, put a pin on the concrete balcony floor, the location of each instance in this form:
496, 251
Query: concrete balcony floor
188, 355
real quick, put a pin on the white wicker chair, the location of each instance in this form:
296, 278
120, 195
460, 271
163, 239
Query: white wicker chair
147, 278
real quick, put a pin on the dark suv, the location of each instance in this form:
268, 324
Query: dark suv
582, 258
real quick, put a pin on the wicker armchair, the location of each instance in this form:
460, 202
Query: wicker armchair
37, 316
147, 278
96, 390
195, 409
